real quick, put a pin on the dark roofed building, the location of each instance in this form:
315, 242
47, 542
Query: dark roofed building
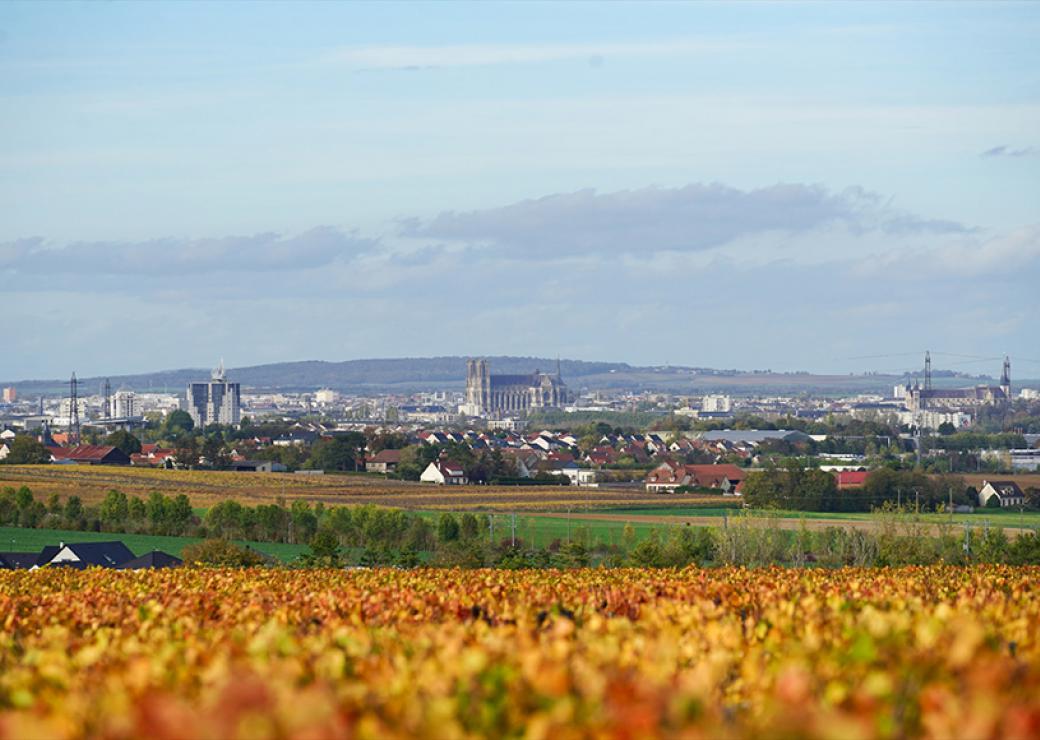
150, 561
1007, 492
86, 554
17, 560
45, 555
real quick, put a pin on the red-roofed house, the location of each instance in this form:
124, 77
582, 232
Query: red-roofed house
668, 477
384, 461
91, 455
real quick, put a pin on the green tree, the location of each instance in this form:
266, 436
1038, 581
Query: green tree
324, 549
114, 511
226, 519
469, 528
136, 512
24, 497
214, 452
73, 511
25, 450
125, 441
337, 453
447, 528
187, 450
179, 515
177, 423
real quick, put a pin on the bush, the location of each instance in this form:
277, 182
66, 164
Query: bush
751, 541
324, 549
224, 554
647, 554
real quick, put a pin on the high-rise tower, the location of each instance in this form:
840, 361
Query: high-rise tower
216, 402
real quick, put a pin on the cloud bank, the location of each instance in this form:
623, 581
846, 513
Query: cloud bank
692, 218
705, 274
318, 247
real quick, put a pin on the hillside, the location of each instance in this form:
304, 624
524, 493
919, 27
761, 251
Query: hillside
448, 373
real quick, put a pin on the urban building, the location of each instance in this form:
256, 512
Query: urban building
326, 396
506, 395
924, 398
717, 404
217, 401
122, 405
10, 394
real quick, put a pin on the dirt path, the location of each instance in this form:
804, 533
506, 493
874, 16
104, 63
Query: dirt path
781, 523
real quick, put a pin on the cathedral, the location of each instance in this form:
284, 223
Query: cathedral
917, 398
511, 395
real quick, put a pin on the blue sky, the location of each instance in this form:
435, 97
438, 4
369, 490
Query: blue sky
747, 185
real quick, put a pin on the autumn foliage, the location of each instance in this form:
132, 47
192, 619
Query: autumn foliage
936, 651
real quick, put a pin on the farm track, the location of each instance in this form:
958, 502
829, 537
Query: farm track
206, 488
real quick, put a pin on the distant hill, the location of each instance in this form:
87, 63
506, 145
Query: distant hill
405, 375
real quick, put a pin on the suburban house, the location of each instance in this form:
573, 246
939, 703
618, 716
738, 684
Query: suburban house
560, 467
89, 455
384, 461
669, 476
525, 461
85, 555
601, 456
17, 560
153, 455
1007, 492
444, 473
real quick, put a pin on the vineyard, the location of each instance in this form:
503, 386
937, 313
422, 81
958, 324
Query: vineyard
207, 487
936, 652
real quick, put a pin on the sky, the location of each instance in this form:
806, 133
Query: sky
829, 187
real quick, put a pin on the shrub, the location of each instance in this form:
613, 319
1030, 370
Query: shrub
222, 553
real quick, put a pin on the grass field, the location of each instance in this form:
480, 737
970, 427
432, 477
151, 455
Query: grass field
16, 539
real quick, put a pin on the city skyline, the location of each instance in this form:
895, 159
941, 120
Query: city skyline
784, 186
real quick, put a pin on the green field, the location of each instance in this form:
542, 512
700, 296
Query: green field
539, 529
995, 517
17, 539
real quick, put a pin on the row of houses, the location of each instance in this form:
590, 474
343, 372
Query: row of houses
81, 555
